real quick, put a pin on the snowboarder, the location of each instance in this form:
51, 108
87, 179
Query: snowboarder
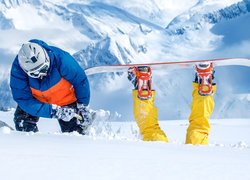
47, 82
146, 115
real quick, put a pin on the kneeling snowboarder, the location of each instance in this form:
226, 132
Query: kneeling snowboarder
48, 82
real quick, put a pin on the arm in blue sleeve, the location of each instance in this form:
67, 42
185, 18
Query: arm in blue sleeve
72, 72
21, 93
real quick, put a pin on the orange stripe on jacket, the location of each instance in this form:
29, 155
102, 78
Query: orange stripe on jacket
60, 94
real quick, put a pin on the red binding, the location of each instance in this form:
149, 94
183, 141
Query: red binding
205, 77
144, 80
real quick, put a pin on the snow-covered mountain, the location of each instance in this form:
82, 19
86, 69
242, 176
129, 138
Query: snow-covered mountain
136, 31
207, 12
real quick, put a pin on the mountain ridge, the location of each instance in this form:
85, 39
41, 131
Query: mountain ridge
102, 33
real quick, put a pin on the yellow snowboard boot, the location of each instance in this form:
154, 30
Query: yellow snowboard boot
146, 117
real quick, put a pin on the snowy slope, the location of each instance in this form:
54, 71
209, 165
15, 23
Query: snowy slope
207, 12
112, 32
114, 151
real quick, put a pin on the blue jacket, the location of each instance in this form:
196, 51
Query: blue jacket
65, 83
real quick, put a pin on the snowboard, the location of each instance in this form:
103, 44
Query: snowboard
168, 65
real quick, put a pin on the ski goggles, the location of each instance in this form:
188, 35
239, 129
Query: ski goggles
39, 72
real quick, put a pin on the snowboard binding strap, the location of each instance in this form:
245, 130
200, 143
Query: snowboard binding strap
204, 78
144, 80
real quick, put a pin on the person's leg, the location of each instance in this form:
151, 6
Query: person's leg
146, 117
72, 125
24, 121
201, 109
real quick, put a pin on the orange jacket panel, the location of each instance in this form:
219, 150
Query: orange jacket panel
60, 94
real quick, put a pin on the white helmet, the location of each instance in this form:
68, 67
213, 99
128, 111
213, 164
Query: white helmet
34, 60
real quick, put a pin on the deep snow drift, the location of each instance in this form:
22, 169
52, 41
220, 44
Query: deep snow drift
113, 150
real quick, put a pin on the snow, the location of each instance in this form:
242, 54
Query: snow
133, 31
31, 23
117, 152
